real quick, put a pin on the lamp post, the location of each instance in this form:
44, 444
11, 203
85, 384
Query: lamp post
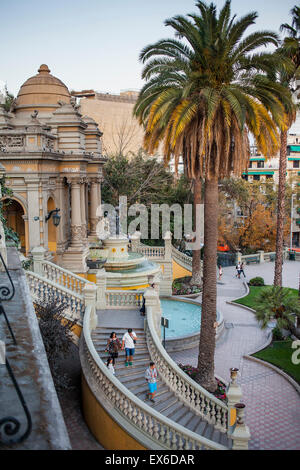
292, 211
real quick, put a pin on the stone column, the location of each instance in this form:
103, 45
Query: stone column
241, 434
167, 271
234, 395
152, 300
261, 256
38, 256
94, 194
89, 293
34, 227
74, 258
135, 241
76, 231
101, 289
83, 211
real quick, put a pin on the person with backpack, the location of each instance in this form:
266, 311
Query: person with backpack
113, 346
128, 342
151, 379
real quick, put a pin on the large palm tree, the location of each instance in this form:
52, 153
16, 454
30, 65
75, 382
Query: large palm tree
288, 77
205, 90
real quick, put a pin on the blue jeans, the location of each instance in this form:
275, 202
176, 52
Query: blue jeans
129, 352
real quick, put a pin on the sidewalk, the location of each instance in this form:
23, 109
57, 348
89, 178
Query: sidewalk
272, 404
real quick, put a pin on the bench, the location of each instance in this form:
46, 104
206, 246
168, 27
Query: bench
253, 259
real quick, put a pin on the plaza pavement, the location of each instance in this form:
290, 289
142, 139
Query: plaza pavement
272, 403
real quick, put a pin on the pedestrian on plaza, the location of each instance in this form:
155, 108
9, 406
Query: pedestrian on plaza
242, 269
110, 365
113, 346
151, 378
220, 272
128, 342
238, 271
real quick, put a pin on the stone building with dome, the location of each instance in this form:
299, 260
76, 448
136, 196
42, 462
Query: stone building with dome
53, 160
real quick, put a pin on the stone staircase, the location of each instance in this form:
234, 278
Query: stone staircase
166, 402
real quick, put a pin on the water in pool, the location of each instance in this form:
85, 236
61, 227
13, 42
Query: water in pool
184, 318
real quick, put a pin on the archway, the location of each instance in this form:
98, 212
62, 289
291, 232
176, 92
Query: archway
51, 228
13, 212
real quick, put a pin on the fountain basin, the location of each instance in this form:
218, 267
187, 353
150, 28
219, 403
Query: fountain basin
184, 323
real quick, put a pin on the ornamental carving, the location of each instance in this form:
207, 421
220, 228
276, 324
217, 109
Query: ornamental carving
76, 232
12, 141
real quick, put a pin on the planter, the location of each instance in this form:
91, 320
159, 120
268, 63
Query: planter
95, 263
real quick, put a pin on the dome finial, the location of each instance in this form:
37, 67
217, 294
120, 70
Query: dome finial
44, 69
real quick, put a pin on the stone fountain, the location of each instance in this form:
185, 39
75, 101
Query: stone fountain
124, 269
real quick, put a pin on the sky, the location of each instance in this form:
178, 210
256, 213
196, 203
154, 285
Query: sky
95, 44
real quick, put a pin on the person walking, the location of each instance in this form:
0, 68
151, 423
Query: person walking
151, 378
110, 365
220, 272
113, 346
128, 342
238, 269
242, 269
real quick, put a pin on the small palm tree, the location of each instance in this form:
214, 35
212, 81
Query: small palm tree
289, 72
205, 90
276, 303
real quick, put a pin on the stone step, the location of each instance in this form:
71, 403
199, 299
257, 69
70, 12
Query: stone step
166, 402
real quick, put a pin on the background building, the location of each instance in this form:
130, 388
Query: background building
53, 159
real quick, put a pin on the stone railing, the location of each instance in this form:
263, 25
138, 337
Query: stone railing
43, 289
55, 273
121, 299
200, 401
182, 259
147, 426
157, 252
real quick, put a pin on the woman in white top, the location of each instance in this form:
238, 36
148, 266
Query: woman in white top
110, 365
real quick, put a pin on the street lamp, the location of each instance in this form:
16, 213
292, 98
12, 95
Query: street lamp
55, 216
292, 213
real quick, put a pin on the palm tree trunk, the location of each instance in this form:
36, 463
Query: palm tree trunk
206, 358
196, 266
280, 209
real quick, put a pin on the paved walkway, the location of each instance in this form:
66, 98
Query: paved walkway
273, 405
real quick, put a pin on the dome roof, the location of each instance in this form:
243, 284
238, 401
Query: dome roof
42, 90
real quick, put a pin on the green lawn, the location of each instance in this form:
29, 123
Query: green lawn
280, 353
250, 299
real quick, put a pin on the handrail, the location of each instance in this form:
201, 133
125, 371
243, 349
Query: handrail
10, 425
74, 300
182, 259
158, 428
123, 298
196, 397
65, 277
7, 293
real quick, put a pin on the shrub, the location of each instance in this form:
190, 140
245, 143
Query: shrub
256, 281
277, 334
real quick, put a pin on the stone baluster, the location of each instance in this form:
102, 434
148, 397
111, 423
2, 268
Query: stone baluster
38, 255
241, 433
